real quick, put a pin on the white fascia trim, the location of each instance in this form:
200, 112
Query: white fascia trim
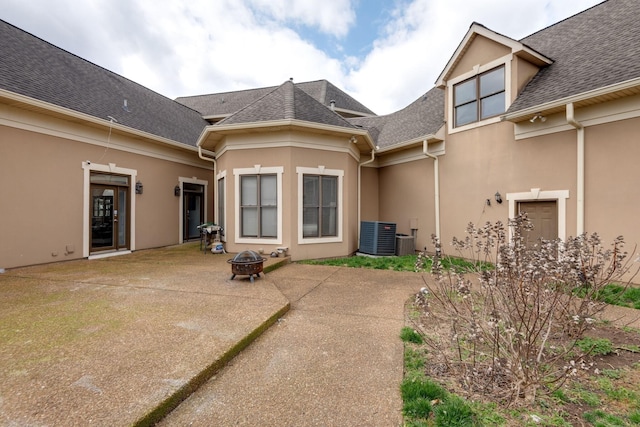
238, 127
479, 69
320, 170
560, 196
476, 29
557, 103
257, 170
181, 181
110, 168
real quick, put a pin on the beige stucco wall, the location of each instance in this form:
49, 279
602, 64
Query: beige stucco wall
287, 150
42, 187
370, 194
611, 181
481, 51
407, 198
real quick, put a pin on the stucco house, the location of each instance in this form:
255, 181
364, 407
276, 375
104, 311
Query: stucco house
92, 164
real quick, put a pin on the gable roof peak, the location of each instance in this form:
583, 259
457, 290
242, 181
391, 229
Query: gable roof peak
476, 29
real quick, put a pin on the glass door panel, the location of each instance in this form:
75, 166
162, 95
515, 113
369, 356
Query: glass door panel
102, 203
122, 217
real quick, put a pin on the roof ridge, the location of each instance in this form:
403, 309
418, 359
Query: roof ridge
289, 100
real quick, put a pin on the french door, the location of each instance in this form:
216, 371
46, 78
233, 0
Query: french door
109, 215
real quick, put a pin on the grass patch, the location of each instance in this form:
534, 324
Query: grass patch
400, 263
410, 335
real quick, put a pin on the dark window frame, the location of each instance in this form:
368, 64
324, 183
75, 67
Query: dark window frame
479, 97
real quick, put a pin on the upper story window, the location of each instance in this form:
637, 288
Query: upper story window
479, 97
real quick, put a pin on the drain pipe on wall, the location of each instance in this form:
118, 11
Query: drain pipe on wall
436, 180
580, 166
215, 188
366, 162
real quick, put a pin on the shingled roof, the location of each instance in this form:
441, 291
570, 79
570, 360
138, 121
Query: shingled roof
422, 117
591, 50
37, 69
223, 104
286, 102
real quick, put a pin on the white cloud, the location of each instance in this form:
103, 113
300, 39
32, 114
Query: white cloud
333, 17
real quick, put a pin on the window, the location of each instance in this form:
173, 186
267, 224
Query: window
258, 206
320, 206
480, 97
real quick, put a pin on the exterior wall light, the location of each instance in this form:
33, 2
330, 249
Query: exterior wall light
498, 197
139, 187
176, 191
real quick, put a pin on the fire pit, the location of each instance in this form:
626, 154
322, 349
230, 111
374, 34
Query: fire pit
246, 263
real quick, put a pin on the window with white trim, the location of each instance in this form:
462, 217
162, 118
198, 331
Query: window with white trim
320, 206
319, 199
258, 206
480, 97
258, 193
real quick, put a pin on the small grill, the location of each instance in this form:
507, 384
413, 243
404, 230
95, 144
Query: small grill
246, 263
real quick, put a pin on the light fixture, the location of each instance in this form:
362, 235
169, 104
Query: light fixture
139, 187
354, 140
176, 190
538, 116
498, 197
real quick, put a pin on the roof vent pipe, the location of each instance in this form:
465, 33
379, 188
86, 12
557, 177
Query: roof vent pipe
332, 104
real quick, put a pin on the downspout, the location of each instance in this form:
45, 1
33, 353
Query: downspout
373, 156
436, 180
580, 166
215, 188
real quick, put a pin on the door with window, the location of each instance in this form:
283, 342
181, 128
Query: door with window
193, 210
544, 218
109, 212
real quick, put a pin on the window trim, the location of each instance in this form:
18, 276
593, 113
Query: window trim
220, 215
258, 170
478, 70
320, 171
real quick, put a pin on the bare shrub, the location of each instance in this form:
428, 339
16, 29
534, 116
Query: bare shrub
510, 330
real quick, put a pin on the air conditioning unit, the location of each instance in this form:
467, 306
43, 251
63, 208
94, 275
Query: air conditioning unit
378, 238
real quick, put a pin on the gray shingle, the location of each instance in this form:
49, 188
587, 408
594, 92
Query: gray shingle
593, 49
287, 101
422, 117
221, 104
37, 69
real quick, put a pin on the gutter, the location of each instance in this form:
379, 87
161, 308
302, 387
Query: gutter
580, 166
373, 156
215, 188
436, 180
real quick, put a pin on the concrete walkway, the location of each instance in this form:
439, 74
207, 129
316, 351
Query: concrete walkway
335, 359
123, 340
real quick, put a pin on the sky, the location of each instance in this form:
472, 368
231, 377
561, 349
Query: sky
384, 53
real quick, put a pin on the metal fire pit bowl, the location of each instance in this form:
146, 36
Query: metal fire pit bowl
246, 263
